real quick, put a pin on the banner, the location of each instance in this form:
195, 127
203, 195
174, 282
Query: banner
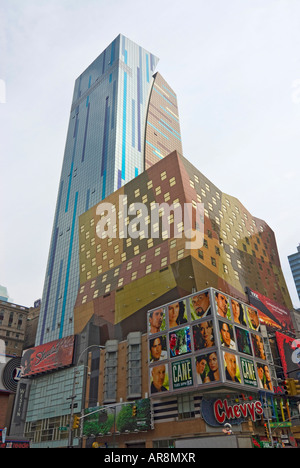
271, 314
119, 418
182, 375
48, 356
289, 354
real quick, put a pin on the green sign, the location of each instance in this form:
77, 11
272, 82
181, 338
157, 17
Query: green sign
182, 374
281, 424
248, 371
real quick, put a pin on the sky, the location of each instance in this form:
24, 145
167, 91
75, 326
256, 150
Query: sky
234, 65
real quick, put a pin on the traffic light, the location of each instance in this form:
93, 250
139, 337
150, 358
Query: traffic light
289, 387
76, 422
297, 387
134, 411
267, 431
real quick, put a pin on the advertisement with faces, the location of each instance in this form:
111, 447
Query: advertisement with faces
206, 339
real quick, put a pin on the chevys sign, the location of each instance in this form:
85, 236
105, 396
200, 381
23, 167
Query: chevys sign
223, 411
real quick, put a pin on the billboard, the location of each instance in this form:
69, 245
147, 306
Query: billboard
48, 356
271, 314
207, 339
289, 350
120, 418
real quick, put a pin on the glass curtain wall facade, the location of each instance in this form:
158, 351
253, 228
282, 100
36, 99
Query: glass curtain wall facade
104, 150
294, 261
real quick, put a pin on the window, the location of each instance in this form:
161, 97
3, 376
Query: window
96, 292
110, 373
213, 261
173, 243
180, 254
120, 282
150, 243
134, 276
186, 406
134, 366
172, 181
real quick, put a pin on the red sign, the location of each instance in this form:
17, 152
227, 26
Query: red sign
271, 314
289, 352
48, 356
223, 411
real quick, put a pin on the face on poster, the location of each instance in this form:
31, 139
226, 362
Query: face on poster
253, 319
264, 377
200, 306
177, 314
258, 347
203, 335
243, 341
222, 305
180, 342
238, 312
157, 320
158, 348
226, 335
232, 369
207, 368
159, 379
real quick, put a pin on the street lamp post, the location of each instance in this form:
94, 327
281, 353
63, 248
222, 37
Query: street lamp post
73, 396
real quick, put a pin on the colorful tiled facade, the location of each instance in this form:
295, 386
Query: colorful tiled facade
122, 278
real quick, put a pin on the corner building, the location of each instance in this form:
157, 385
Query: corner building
122, 279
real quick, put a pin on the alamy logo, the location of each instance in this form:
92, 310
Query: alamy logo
162, 220
2, 92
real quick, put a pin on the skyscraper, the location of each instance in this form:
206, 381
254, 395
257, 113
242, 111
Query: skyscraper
294, 261
122, 120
